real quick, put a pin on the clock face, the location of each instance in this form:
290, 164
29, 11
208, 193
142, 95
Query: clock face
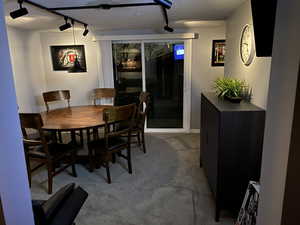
247, 45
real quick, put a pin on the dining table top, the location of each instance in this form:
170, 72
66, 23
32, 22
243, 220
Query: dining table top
74, 118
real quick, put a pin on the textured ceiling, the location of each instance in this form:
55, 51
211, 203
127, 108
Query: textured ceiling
124, 18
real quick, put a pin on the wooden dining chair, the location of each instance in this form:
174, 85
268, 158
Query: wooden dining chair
99, 94
106, 149
60, 95
104, 93
138, 130
53, 96
45, 152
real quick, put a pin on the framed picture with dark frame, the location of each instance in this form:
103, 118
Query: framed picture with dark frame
63, 56
218, 53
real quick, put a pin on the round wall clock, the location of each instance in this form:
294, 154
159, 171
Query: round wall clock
247, 50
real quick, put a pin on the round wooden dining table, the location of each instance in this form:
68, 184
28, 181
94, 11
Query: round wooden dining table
74, 118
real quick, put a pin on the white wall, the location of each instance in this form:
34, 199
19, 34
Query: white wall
80, 84
258, 73
203, 74
14, 188
280, 109
28, 68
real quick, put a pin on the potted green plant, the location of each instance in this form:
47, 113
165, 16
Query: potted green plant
232, 89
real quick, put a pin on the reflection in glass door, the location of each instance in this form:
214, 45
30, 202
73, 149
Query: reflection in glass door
164, 73
158, 68
127, 72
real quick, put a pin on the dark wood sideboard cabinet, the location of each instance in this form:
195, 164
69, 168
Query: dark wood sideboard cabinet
231, 148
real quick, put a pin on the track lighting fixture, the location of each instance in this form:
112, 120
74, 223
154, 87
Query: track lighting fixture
76, 68
65, 26
169, 29
86, 31
20, 12
164, 4
165, 14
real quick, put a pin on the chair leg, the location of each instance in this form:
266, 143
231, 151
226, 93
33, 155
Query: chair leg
113, 158
91, 162
107, 172
73, 165
50, 178
74, 170
73, 138
129, 160
60, 137
139, 138
95, 134
143, 141
81, 138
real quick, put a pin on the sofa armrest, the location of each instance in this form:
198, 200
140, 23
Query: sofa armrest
70, 208
54, 203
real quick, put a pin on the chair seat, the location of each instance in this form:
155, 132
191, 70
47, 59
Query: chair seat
56, 151
36, 136
113, 143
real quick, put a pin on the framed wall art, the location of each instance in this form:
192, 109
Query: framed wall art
63, 56
218, 53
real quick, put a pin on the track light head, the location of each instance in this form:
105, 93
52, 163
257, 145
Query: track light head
169, 29
86, 31
19, 12
65, 26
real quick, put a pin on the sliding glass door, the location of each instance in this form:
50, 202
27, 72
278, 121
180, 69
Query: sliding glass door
164, 72
157, 67
127, 62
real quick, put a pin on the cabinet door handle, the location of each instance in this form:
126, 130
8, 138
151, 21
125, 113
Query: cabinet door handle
206, 138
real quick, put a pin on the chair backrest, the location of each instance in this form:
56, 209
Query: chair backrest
143, 108
59, 95
100, 93
32, 121
144, 100
119, 115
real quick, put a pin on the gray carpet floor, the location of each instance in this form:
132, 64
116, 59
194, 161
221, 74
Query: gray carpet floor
167, 187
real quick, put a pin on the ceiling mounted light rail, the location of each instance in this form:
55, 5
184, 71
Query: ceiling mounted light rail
23, 11
104, 6
164, 4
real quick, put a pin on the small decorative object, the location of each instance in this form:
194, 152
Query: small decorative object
232, 89
65, 56
248, 211
247, 49
218, 53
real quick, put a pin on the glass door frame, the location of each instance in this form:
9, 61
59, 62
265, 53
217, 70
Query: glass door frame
187, 83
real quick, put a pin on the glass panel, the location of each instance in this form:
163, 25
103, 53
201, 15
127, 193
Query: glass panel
127, 72
164, 68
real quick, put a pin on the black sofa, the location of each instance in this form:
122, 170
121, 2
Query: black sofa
60, 209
